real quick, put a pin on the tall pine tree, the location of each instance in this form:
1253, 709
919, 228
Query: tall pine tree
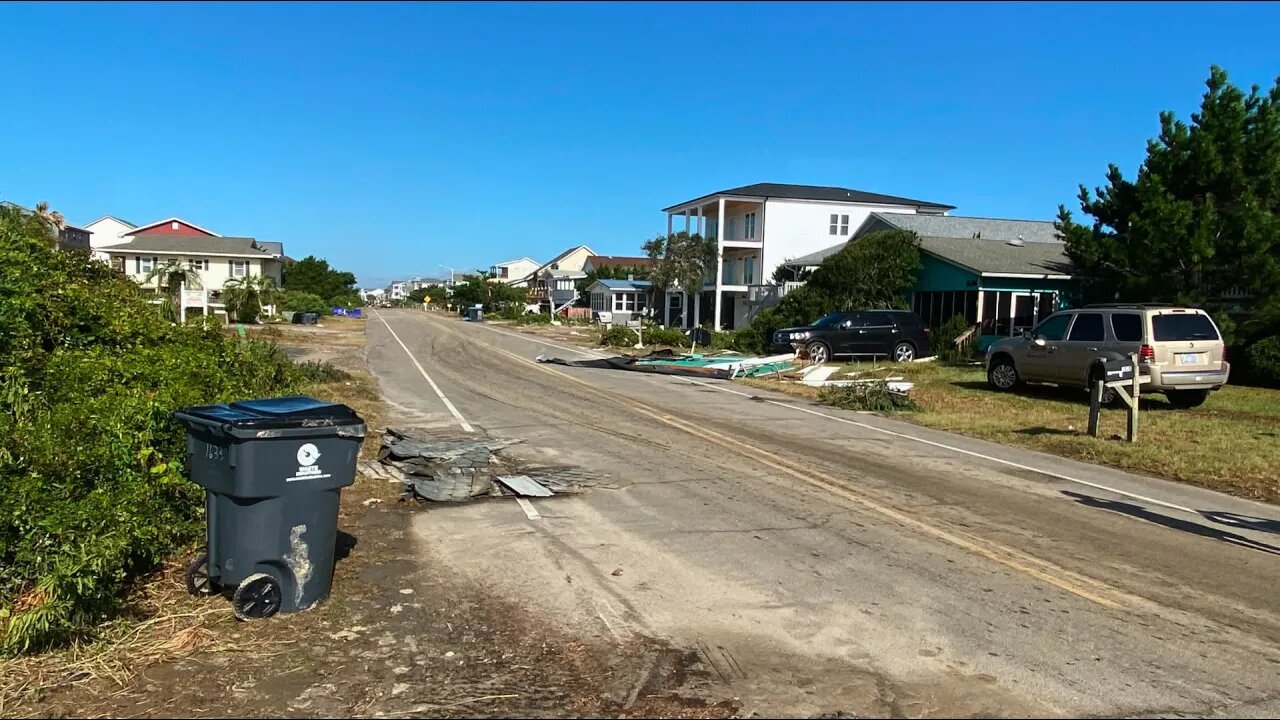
1202, 219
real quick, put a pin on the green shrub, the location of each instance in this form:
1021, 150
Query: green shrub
92, 485
1264, 361
944, 339
669, 336
534, 319
319, 371
619, 336
873, 396
304, 302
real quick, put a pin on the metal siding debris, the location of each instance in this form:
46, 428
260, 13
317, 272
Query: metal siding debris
524, 486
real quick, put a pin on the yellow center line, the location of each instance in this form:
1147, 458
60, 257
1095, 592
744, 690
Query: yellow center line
1080, 585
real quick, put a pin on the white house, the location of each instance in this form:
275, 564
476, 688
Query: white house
398, 290
619, 299
107, 230
760, 226
514, 272
215, 259
553, 284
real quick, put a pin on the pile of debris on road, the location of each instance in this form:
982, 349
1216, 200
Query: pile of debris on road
790, 367
447, 468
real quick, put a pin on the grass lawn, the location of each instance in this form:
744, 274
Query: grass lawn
1231, 443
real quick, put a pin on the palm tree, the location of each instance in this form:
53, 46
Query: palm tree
52, 218
244, 296
170, 278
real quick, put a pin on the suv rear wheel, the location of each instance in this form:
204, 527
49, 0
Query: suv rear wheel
904, 352
1186, 398
1002, 374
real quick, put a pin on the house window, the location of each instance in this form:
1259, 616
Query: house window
144, 265
730, 228
839, 224
749, 271
198, 263
750, 231
117, 263
624, 302
240, 268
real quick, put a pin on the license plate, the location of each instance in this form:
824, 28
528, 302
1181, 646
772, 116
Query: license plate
1188, 358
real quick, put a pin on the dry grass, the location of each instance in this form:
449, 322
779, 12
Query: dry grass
162, 624
1231, 443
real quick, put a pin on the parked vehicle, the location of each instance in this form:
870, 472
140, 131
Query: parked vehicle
1180, 348
896, 334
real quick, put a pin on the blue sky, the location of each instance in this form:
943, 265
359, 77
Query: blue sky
393, 138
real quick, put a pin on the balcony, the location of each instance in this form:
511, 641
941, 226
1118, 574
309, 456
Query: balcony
766, 295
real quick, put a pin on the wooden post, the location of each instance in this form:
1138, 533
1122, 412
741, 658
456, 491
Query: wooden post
1095, 405
1132, 434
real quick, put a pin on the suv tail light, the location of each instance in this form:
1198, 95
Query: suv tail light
928, 332
1147, 353
1224, 352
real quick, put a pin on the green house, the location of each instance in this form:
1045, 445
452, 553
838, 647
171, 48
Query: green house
1002, 275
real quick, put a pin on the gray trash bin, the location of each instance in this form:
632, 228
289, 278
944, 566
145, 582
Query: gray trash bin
475, 313
273, 471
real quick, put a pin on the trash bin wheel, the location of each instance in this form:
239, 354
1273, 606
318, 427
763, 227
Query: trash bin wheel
198, 581
257, 597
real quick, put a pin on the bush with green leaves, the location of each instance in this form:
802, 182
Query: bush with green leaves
92, 485
534, 319
1264, 361
944, 339
619, 336
304, 302
669, 336
873, 396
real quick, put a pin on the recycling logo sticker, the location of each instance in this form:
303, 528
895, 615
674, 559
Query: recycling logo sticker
308, 454
308, 469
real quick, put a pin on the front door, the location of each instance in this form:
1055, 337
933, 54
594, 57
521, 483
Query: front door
1023, 313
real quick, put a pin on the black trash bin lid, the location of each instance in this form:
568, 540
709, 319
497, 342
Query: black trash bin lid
281, 412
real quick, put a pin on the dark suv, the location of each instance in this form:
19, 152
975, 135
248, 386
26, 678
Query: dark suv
896, 334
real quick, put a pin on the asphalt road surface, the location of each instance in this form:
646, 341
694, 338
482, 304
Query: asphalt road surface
818, 560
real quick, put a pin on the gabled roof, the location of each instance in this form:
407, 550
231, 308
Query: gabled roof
620, 261
547, 265
166, 221
275, 248
189, 245
815, 259
623, 285
517, 260
112, 217
998, 257
817, 192
959, 226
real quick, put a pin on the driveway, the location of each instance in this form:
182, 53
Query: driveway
814, 560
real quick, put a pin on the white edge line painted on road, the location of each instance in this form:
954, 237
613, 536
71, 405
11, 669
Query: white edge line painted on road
971, 453
466, 426
528, 509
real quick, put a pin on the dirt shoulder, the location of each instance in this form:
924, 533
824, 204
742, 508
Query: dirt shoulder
397, 637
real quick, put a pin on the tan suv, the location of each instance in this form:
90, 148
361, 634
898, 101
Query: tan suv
1180, 348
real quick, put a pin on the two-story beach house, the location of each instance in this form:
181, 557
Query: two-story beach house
513, 272
554, 284
757, 228
215, 258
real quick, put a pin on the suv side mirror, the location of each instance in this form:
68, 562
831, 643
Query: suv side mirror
1028, 334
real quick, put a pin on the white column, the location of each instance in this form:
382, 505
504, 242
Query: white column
702, 223
687, 220
668, 224
666, 305
720, 238
697, 309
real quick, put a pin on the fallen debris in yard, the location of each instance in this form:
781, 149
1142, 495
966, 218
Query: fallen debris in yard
452, 469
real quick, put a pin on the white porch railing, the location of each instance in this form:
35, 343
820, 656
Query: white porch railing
770, 294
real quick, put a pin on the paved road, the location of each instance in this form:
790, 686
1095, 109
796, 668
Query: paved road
820, 560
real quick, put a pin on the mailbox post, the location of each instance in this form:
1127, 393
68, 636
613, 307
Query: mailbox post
1123, 376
